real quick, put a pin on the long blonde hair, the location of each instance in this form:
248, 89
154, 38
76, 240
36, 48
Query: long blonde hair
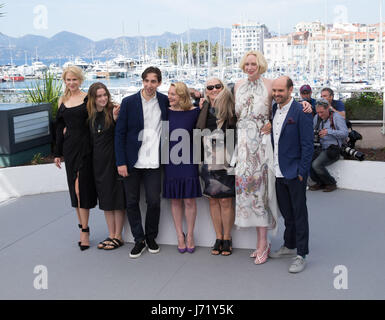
91, 105
224, 103
78, 73
184, 95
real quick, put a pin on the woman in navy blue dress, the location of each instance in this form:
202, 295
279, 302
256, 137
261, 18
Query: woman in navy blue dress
181, 183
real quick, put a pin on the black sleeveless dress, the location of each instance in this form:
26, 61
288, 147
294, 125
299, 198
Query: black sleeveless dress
75, 146
109, 185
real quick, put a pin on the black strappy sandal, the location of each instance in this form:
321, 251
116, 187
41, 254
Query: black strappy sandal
104, 243
217, 247
115, 243
82, 248
227, 248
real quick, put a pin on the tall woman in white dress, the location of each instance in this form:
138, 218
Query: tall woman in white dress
256, 204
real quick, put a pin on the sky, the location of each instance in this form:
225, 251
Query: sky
97, 19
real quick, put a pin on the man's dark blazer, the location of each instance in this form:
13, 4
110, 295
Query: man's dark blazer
295, 146
128, 126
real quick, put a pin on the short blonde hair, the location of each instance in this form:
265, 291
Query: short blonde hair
261, 61
184, 95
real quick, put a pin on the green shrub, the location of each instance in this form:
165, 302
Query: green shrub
37, 159
46, 91
364, 106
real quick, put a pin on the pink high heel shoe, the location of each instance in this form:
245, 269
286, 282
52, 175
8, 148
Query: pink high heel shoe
260, 259
253, 255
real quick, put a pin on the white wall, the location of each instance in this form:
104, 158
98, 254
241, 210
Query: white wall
359, 175
27, 180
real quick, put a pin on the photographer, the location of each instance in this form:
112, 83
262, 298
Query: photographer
335, 105
305, 93
330, 132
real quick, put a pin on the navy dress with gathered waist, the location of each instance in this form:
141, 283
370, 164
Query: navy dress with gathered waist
181, 181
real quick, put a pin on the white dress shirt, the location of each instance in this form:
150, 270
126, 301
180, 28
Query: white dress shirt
279, 118
148, 155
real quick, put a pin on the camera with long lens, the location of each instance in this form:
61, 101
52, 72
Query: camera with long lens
317, 144
316, 139
347, 148
352, 153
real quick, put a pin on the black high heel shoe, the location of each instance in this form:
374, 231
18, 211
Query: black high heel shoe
82, 248
80, 227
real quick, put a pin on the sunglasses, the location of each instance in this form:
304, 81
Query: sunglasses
217, 86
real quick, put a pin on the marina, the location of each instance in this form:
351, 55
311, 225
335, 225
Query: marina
124, 75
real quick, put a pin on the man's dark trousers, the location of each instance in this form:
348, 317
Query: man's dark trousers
291, 197
318, 171
151, 179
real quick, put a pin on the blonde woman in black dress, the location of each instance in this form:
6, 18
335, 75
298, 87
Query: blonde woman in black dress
102, 116
74, 144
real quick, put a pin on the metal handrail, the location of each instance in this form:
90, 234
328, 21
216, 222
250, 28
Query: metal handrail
316, 90
366, 121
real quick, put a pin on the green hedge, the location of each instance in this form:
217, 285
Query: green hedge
364, 106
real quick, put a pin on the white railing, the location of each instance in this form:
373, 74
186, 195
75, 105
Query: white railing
121, 92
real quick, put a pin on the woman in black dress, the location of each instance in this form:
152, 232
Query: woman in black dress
73, 142
109, 186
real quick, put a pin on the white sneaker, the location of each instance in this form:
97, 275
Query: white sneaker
283, 252
298, 265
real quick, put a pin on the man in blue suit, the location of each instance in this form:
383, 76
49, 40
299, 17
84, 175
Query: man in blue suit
292, 139
137, 148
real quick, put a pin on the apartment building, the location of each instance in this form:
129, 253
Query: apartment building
247, 36
334, 48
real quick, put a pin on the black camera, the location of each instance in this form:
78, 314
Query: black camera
347, 148
317, 144
316, 139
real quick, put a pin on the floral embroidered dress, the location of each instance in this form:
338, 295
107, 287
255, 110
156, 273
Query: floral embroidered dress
256, 204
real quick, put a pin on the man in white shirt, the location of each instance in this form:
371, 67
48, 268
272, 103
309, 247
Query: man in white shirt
137, 149
292, 138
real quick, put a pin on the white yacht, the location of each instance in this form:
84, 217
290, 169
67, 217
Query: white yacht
79, 62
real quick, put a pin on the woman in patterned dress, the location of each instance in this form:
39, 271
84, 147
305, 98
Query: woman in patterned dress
255, 191
256, 203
